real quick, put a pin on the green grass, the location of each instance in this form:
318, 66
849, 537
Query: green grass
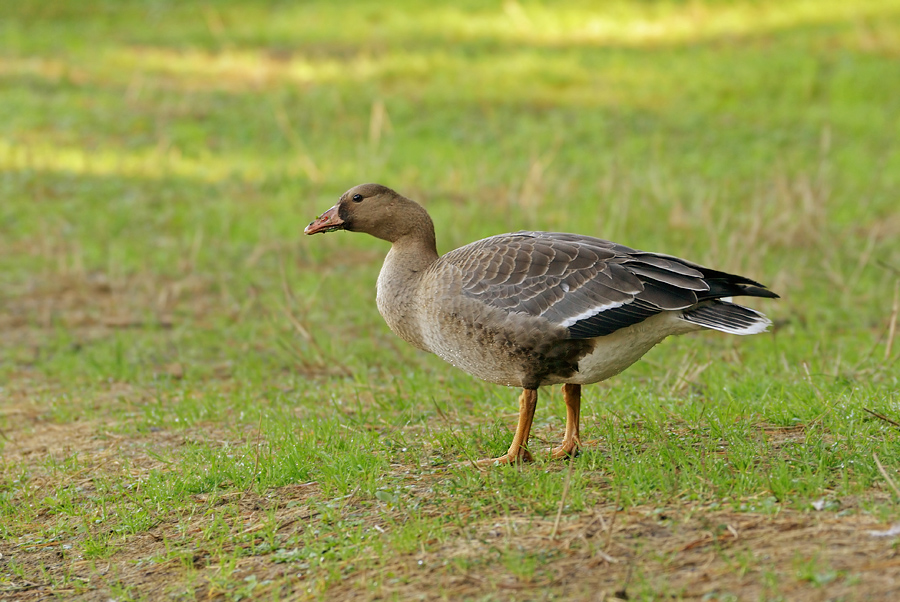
198, 401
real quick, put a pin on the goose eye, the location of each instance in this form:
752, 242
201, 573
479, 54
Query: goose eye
357, 198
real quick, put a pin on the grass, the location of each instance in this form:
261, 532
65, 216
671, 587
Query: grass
198, 402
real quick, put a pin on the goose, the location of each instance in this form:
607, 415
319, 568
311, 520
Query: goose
531, 309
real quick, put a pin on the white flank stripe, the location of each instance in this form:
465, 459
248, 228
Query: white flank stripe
589, 313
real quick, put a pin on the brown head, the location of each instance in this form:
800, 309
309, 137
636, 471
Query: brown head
376, 210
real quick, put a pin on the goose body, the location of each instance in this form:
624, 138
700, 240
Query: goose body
530, 309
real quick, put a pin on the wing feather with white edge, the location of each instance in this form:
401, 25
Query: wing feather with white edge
594, 287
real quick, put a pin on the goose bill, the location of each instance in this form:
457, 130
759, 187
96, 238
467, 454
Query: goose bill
327, 222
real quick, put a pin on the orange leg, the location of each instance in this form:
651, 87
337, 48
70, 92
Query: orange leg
572, 440
517, 451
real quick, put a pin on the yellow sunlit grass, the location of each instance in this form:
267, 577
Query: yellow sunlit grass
635, 24
146, 163
416, 48
610, 23
553, 79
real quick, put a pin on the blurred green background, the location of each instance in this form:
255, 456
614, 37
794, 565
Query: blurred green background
143, 142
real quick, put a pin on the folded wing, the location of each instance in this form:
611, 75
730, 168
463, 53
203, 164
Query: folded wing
594, 287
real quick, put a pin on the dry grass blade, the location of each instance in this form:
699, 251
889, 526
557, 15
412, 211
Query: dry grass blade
892, 329
439, 411
612, 521
882, 417
379, 122
290, 301
562, 499
325, 360
888, 266
812, 384
886, 476
303, 155
256, 463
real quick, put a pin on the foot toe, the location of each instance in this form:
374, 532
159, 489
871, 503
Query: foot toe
568, 449
521, 457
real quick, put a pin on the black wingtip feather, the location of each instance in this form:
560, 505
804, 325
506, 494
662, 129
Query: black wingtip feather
759, 291
735, 286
